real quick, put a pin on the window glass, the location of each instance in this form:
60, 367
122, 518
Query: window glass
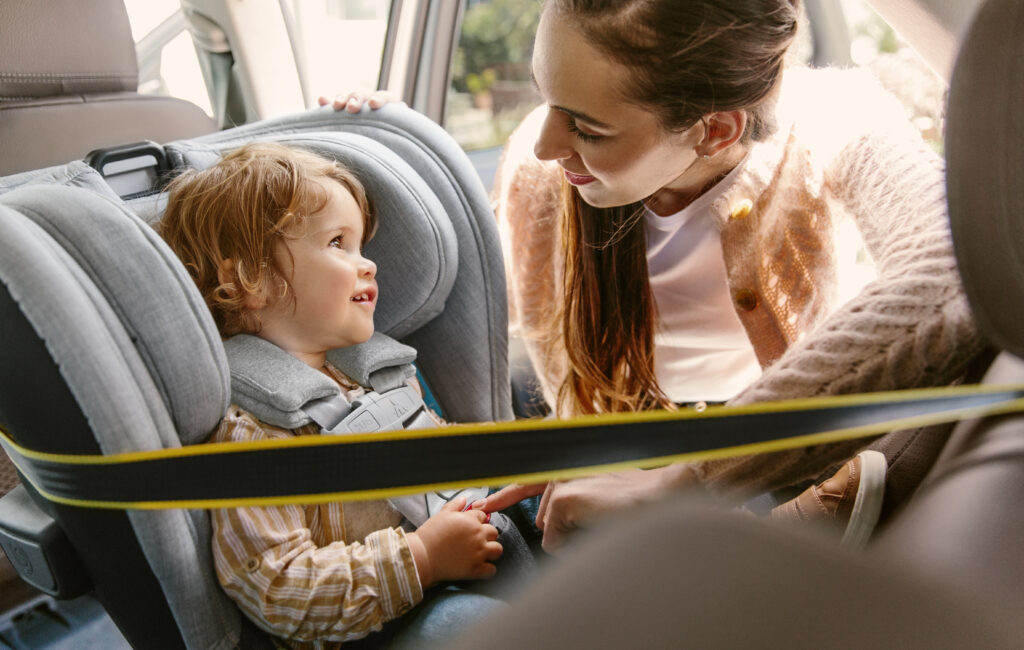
876, 46
491, 88
338, 44
168, 65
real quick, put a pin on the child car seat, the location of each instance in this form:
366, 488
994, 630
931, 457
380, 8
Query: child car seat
119, 352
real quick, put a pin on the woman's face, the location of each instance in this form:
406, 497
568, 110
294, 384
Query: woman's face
614, 151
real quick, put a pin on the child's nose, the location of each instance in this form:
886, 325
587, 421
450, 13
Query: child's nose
367, 268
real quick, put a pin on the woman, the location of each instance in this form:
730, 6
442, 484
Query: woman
681, 217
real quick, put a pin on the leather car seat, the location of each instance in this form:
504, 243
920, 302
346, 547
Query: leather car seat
69, 84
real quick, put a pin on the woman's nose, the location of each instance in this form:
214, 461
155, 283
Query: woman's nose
554, 141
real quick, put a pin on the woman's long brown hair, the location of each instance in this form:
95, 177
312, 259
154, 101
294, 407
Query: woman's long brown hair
608, 318
688, 59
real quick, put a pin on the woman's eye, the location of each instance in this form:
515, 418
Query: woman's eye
581, 135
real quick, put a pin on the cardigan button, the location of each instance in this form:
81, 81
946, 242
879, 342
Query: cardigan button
742, 209
745, 299
252, 564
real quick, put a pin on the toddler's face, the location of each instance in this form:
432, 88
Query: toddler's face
335, 290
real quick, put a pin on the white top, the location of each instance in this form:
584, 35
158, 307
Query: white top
701, 350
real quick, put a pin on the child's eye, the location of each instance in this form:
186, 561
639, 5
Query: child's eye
581, 135
338, 242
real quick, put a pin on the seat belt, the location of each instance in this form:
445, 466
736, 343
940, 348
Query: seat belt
322, 469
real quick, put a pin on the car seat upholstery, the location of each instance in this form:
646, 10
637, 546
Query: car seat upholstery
68, 85
124, 354
946, 572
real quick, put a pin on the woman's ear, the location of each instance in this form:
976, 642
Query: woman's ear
722, 130
228, 278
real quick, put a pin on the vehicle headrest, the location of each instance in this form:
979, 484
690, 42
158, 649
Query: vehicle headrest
65, 47
415, 247
985, 170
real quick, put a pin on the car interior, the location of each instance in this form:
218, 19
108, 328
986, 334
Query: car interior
94, 304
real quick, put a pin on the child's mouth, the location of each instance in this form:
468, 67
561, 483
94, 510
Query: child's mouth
364, 297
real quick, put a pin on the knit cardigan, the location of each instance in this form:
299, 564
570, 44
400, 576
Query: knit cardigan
842, 147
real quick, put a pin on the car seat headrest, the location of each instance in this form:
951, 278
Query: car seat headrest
142, 286
65, 47
985, 170
415, 247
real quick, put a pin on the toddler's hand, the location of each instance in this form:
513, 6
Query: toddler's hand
458, 545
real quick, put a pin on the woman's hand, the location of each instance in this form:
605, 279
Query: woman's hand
568, 505
353, 101
455, 545
509, 496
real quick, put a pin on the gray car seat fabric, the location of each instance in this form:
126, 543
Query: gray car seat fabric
119, 317
137, 354
152, 298
68, 81
74, 174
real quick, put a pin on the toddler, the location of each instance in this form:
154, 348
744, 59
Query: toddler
273, 237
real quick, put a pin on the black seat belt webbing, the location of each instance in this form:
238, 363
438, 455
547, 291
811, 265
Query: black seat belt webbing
316, 469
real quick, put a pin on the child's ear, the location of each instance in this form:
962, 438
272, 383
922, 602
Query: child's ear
226, 275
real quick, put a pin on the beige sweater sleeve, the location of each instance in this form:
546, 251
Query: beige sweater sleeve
911, 327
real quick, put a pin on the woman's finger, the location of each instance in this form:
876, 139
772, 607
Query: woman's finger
545, 501
511, 495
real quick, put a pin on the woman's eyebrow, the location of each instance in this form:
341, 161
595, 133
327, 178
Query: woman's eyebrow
576, 115
583, 117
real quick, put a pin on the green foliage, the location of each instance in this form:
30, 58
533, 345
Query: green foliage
481, 83
496, 43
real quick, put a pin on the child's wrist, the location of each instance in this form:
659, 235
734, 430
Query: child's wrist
421, 558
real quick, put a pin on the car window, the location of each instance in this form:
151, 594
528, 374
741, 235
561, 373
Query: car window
168, 64
338, 44
877, 47
491, 89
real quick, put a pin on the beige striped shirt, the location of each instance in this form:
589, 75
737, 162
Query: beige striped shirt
313, 575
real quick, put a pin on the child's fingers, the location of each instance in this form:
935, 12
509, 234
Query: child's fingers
493, 550
458, 504
490, 533
480, 515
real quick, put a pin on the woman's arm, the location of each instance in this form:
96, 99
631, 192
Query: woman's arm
910, 327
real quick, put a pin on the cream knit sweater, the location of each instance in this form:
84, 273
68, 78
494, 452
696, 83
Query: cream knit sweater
843, 148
